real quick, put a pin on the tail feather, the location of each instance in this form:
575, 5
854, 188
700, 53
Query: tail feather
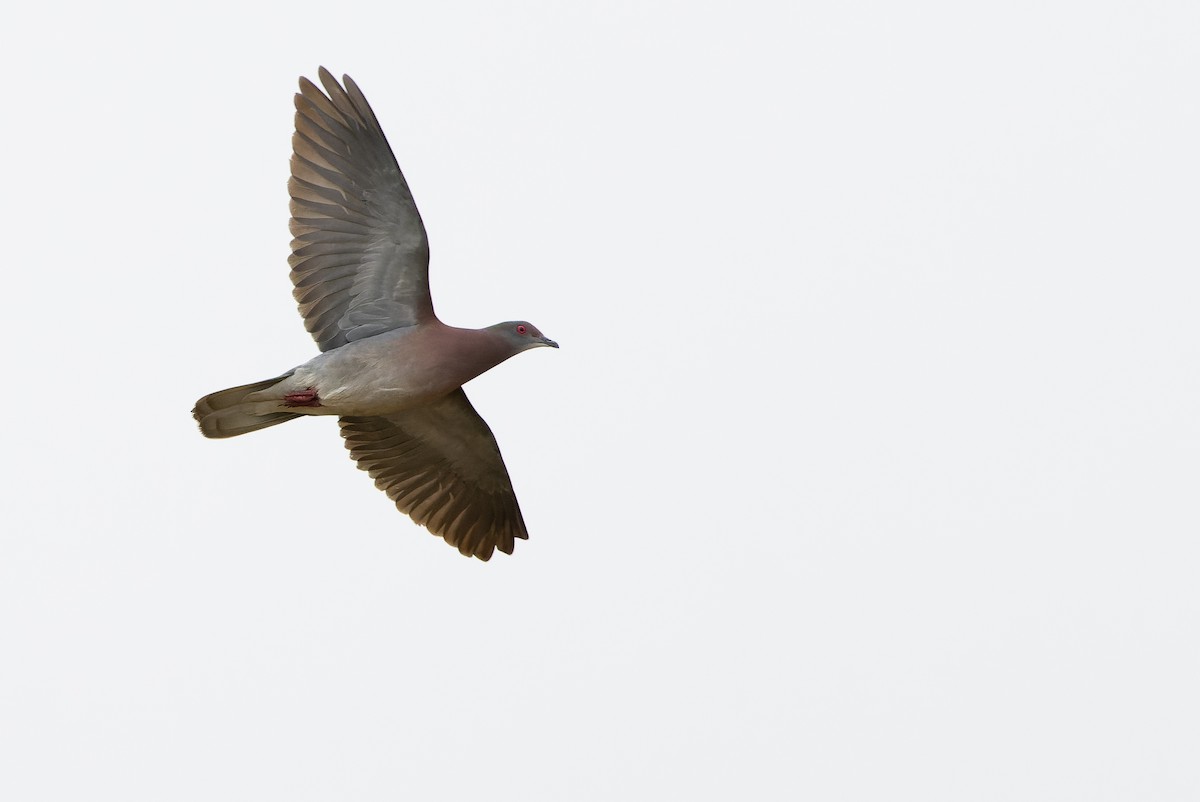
226, 413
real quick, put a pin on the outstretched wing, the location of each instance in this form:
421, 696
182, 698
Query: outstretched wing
442, 467
360, 257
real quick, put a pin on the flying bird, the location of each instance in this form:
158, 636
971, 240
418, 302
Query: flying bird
388, 368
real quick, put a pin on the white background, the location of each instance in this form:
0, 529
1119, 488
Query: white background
867, 470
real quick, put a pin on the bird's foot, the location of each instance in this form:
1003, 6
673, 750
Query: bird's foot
304, 398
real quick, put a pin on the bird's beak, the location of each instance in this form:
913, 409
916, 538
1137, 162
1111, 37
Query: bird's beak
548, 341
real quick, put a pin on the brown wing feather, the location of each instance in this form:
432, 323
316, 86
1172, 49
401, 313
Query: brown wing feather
442, 467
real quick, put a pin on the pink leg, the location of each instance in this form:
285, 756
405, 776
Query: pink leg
304, 398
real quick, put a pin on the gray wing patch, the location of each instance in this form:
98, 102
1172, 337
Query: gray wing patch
360, 255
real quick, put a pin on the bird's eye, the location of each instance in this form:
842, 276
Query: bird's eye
521, 329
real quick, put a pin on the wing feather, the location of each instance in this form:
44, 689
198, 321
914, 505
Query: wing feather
360, 255
441, 466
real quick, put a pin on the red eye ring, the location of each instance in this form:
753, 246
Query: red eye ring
521, 329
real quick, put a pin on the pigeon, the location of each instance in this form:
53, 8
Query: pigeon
388, 369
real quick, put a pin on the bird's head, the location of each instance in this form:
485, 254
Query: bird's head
521, 335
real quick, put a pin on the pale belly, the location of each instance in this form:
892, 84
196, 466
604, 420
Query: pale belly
376, 376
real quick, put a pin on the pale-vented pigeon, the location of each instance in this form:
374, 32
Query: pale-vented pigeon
389, 369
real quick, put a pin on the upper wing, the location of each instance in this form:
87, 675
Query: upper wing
442, 467
360, 257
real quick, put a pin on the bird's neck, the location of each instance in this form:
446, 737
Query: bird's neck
472, 351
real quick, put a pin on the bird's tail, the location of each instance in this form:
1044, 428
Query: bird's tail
227, 413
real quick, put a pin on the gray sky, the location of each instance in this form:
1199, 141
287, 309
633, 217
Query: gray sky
867, 470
